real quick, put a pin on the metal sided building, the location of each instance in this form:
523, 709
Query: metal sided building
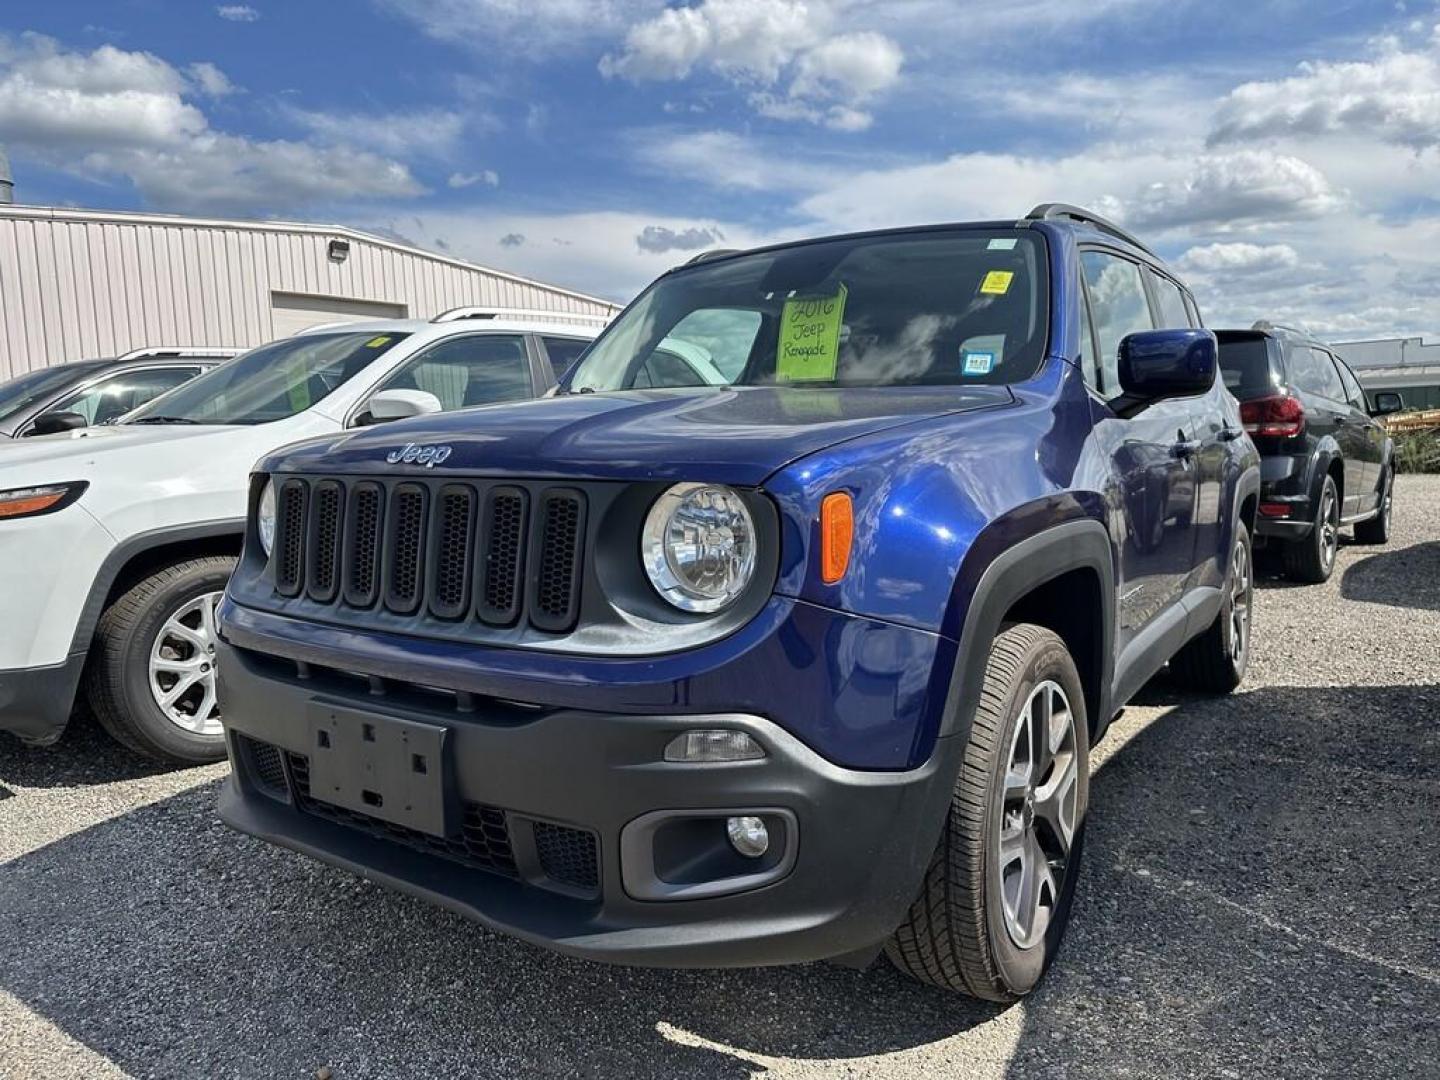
88, 283
1407, 365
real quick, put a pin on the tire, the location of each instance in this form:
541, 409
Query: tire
1377, 529
960, 933
1313, 558
1215, 661
118, 677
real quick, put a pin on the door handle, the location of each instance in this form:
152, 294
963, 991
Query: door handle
1230, 434
1185, 448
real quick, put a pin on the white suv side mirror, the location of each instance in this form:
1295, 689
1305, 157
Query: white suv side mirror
400, 404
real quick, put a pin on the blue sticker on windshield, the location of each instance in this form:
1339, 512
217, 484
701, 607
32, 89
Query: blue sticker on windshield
976, 363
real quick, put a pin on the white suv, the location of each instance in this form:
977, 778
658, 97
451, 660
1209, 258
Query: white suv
116, 542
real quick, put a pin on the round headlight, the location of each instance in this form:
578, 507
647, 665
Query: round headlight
265, 518
699, 546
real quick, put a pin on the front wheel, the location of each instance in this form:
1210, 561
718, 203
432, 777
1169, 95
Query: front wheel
1215, 661
996, 896
151, 677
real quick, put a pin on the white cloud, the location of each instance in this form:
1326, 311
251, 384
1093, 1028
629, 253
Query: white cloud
237, 12
1393, 98
210, 79
422, 132
110, 112
1236, 190
760, 44
463, 180
1239, 258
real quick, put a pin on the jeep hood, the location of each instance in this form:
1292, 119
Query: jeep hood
737, 435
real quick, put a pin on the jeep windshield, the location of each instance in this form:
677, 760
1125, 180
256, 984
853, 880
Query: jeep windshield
933, 307
272, 382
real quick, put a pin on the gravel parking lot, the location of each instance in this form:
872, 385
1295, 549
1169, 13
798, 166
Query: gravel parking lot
1259, 898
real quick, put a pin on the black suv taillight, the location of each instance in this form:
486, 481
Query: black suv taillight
1280, 416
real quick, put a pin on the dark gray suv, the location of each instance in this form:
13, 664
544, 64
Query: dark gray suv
1325, 461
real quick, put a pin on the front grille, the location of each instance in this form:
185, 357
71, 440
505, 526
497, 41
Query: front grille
483, 843
499, 554
568, 856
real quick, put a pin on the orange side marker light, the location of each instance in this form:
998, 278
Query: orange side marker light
837, 531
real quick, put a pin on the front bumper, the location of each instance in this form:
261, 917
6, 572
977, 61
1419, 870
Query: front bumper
35, 703
856, 843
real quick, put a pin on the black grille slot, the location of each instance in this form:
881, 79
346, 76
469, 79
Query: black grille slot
555, 579
362, 544
263, 764
483, 842
502, 556
452, 534
290, 537
405, 548
322, 544
568, 856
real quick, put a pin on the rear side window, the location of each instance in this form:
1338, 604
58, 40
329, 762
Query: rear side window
1119, 308
1248, 368
1173, 313
1313, 371
562, 352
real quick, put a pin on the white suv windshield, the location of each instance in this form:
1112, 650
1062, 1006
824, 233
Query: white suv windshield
272, 382
941, 306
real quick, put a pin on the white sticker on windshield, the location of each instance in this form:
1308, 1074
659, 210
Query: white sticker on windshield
1003, 245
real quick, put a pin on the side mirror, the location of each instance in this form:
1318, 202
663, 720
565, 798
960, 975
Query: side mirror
390, 405
1386, 402
52, 423
1160, 364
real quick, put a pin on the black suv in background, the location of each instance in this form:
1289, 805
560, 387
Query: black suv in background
1325, 461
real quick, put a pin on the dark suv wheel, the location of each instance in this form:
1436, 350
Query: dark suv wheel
1313, 558
996, 897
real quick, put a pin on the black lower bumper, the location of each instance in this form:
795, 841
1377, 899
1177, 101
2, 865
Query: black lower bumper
854, 845
35, 703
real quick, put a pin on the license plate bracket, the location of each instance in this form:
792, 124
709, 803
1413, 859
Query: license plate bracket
383, 766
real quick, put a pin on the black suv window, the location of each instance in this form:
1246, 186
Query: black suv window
1247, 366
1118, 306
1353, 393
1312, 371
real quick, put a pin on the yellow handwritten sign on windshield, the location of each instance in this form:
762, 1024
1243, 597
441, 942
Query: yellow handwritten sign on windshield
810, 338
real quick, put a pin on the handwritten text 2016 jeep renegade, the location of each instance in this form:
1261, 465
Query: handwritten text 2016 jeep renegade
783, 631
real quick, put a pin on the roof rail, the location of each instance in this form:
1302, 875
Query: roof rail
568, 318
1265, 325
163, 351
1066, 212
706, 256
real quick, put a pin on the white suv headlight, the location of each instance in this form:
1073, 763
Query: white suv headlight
698, 546
265, 517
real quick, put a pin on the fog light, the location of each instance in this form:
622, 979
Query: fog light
748, 836
717, 745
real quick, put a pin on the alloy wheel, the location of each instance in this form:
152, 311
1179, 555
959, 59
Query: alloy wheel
182, 666
1038, 811
1329, 526
1241, 592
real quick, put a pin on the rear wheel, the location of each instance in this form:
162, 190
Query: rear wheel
1313, 558
151, 677
996, 896
1215, 661
1377, 529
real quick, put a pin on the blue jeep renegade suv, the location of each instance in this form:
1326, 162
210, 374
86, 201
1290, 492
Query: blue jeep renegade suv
783, 631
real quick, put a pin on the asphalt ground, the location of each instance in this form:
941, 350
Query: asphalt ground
1259, 898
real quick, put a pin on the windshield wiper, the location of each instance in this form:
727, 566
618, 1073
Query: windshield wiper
164, 420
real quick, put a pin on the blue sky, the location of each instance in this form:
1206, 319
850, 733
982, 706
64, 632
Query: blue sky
1284, 158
